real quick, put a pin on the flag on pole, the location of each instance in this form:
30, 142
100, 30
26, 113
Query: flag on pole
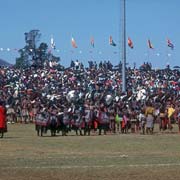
73, 43
130, 43
111, 42
92, 42
170, 44
53, 45
150, 44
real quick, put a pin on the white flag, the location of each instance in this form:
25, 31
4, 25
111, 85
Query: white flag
53, 45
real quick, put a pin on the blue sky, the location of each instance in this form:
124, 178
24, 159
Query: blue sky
146, 19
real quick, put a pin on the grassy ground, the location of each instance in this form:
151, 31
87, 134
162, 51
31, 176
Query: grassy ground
23, 155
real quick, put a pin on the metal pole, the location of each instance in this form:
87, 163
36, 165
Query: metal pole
123, 45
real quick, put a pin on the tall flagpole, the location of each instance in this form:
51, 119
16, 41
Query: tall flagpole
167, 56
123, 45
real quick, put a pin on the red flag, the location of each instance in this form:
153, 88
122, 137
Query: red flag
150, 45
73, 42
111, 42
170, 44
130, 43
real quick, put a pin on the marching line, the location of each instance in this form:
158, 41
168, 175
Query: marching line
95, 166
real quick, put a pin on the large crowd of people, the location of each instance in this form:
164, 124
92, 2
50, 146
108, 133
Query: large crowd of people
91, 98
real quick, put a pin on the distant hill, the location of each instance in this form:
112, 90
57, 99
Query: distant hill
4, 63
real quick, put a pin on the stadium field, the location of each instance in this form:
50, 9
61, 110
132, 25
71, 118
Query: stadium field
23, 155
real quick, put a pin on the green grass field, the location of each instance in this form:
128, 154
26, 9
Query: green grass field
23, 155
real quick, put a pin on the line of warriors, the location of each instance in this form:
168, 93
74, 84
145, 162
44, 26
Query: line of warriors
102, 120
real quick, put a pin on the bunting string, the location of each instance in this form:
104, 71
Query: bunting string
76, 49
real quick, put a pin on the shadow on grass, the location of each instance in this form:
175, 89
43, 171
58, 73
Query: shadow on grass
11, 137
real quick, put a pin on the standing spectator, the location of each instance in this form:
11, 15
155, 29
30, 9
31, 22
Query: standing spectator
142, 120
171, 111
149, 113
3, 125
179, 120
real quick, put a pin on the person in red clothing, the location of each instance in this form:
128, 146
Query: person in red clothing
3, 126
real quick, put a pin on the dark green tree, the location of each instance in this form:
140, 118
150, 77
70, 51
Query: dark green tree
22, 61
41, 55
34, 54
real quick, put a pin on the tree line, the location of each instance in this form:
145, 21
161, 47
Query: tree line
34, 53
